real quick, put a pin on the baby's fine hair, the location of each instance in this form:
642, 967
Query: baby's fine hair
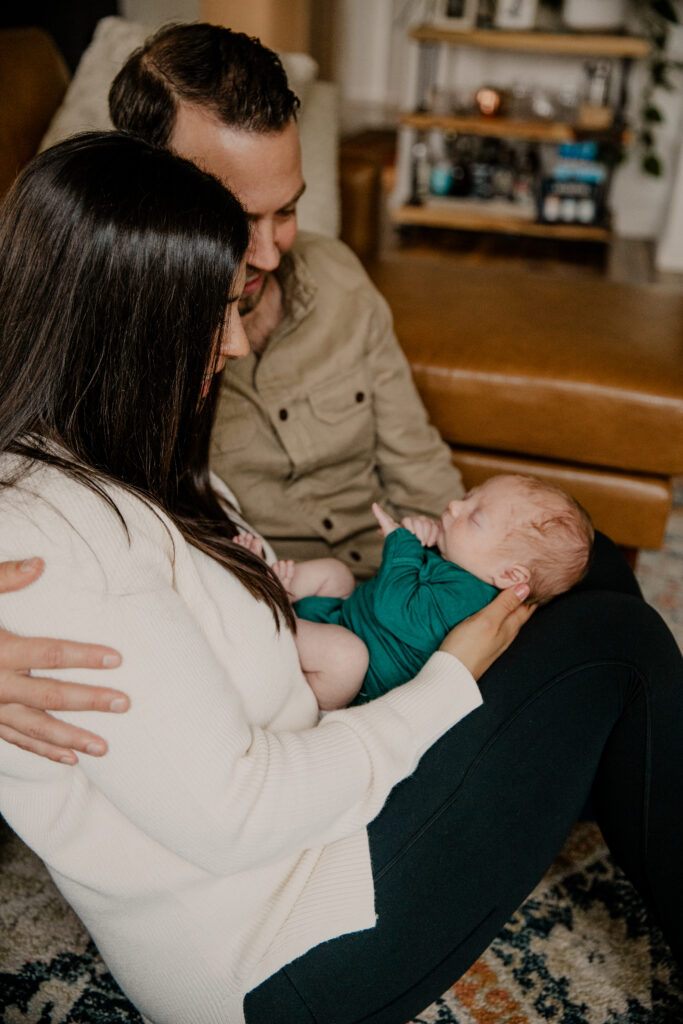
557, 540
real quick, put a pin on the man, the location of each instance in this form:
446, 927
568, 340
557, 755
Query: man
322, 419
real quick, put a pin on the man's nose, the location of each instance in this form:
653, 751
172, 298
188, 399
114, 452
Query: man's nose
264, 252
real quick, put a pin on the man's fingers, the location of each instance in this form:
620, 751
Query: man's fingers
39, 728
21, 653
41, 734
61, 754
52, 695
15, 575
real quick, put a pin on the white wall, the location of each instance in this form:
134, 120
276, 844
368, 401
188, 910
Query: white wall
157, 12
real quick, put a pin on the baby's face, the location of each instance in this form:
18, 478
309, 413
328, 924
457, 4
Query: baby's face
473, 528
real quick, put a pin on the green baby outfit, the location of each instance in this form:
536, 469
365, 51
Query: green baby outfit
404, 612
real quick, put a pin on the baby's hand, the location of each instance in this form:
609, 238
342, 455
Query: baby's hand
284, 570
250, 542
425, 529
387, 525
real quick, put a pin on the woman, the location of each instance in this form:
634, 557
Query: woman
221, 846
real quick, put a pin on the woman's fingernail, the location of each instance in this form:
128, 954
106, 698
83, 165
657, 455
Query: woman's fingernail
95, 749
111, 660
522, 590
29, 564
119, 704
68, 760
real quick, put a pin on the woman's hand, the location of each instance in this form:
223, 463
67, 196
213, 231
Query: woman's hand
25, 698
480, 639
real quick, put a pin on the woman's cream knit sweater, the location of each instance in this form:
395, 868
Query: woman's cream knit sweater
224, 832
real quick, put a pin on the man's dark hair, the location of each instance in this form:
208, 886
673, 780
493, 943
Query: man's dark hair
227, 73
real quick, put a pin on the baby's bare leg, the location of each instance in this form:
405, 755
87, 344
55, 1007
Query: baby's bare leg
318, 577
334, 661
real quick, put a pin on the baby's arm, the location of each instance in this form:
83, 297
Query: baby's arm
318, 577
425, 529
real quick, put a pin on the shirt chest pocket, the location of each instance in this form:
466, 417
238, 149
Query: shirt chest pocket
235, 424
344, 401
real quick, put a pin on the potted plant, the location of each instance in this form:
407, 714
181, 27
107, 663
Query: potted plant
655, 19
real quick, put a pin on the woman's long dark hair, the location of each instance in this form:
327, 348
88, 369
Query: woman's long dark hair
117, 263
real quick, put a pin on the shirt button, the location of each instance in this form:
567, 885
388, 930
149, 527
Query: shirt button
283, 414
360, 396
328, 524
354, 555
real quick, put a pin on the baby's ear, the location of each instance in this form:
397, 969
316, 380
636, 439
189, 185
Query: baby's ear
511, 575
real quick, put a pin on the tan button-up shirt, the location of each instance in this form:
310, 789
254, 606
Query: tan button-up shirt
328, 420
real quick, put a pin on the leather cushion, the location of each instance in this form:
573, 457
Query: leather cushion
33, 80
574, 369
632, 510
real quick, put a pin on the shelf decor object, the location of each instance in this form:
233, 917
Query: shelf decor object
592, 16
520, 14
457, 15
509, 186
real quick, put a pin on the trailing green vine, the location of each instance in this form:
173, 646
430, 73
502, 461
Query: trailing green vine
656, 18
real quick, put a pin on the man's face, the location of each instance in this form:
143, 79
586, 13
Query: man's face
264, 172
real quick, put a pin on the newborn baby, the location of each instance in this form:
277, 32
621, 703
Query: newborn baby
356, 642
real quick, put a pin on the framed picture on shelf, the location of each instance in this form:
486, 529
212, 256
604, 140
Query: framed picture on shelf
516, 14
457, 14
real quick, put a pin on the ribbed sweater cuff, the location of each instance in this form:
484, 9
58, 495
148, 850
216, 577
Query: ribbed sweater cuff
441, 694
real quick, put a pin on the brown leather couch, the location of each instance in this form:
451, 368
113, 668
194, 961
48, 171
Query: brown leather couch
577, 380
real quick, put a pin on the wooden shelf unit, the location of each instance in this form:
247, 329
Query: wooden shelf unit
577, 44
506, 128
466, 216
471, 215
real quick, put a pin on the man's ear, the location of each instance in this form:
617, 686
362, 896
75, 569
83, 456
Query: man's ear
511, 575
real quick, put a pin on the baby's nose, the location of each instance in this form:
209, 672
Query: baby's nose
454, 507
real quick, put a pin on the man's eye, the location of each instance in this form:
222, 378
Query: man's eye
289, 212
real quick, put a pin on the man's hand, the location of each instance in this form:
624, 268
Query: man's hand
25, 699
480, 639
425, 529
387, 525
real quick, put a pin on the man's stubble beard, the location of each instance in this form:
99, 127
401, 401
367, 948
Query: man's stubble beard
248, 303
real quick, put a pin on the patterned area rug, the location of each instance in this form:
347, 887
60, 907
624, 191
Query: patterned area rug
660, 573
580, 950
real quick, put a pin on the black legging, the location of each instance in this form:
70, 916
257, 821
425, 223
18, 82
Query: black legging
589, 698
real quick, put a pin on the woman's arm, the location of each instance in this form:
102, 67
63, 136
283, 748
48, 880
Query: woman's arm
193, 764
25, 699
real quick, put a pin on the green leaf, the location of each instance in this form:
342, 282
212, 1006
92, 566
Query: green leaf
665, 9
651, 164
646, 138
652, 114
657, 71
